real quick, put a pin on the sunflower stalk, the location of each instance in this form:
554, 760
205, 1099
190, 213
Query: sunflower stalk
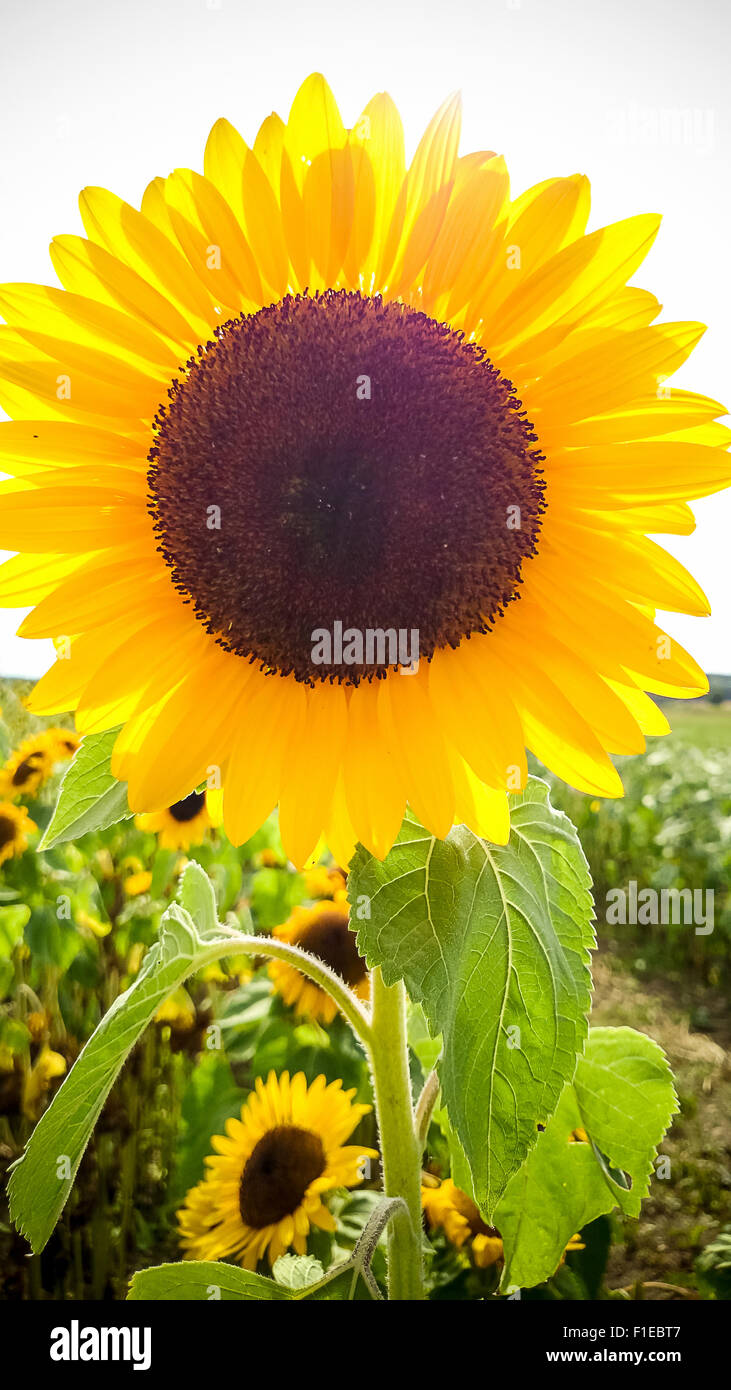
400, 1147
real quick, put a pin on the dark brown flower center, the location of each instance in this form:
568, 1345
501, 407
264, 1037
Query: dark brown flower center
334, 464
8, 831
330, 939
189, 807
28, 769
278, 1173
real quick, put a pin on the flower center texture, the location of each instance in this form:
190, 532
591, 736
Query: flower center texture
337, 461
278, 1173
188, 808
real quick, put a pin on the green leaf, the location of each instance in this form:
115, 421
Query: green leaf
208, 1281
211, 1097
42, 1178
622, 1097
90, 797
494, 942
297, 1271
204, 1281
13, 920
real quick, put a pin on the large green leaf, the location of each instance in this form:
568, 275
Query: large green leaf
494, 942
43, 1176
622, 1097
207, 1281
90, 797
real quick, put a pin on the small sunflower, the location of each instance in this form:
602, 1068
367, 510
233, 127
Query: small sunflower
15, 827
63, 743
324, 931
27, 768
471, 442
448, 1207
264, 1186
186, 822
323, 881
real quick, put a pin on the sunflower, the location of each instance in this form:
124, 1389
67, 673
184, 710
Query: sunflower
63, 743
186, 822
264, 1186
27, 768
324, 931
136, 878
324, 881
448, 1207
15, 827
335, 474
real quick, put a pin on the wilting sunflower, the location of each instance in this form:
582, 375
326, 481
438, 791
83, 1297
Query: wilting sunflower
324, 931
264, 1186
315, 408
15, 827
448, 1207
186, 822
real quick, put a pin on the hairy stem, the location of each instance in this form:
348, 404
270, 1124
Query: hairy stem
400, 1152
315, 970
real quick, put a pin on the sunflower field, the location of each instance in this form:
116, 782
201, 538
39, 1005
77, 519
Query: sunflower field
335, 479
242, 1038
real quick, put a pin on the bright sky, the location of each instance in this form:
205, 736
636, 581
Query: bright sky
633, 93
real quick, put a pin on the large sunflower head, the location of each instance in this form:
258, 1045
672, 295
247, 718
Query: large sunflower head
186, 822
265, 1184
337, 472
15, 828
324, 931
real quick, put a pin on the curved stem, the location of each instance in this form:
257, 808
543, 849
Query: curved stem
400, 1152
315, 970
424, 1107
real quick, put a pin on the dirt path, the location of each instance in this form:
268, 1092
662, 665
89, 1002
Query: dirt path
686, 1210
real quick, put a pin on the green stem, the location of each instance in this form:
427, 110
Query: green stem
314, 969
424, 1107
400, 1153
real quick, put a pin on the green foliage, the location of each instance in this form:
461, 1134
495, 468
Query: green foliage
42, 1179
90, 797
713, 1267
622, 1097
672, 830
349, 1280
494, 942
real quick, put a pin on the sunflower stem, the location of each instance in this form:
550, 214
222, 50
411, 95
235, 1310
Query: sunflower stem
400, 1152
315, 970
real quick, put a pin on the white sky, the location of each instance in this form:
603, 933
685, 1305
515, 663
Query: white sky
634, 93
